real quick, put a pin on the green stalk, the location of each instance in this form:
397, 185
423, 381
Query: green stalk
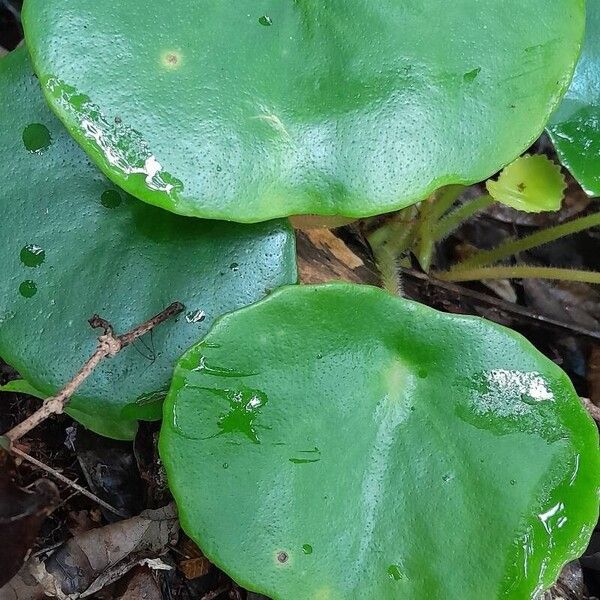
389, 242
519, 272
444, 199
431, 211
456, 218
511, 247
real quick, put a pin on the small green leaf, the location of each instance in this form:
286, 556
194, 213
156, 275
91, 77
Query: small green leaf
347, 443
72, 245
20, 386
532, 183
253, 109
575, 127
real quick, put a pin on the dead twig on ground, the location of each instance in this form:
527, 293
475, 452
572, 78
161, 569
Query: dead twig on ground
66, 480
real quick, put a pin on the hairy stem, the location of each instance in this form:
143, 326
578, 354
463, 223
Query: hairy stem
511, 247
389, 242
431, 211
519, 272
457, 217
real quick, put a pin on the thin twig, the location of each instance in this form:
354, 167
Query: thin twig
66, 480
108, 346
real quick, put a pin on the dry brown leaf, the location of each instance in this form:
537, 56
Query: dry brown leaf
95, 558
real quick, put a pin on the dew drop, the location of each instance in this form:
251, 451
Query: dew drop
226, 465
234, 266
196, 316
471, 75
110, 199
36, 138
28, 289
307, 549
244, 409
32, 255
394, 572
266, 21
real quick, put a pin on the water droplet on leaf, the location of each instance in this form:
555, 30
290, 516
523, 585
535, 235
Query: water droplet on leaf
394, 572
219, 371
244, 408
36, 138
28, 289
196, 316
110, 199
471, 75
32, 255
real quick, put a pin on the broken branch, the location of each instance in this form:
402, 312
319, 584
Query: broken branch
109, 345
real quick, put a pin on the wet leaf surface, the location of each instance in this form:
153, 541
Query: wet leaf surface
354, 109
575, 127
313, 424
319, 263
74, 246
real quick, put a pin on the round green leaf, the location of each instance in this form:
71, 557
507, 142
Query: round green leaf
73, 245
337, 442
532, 183
255, 109
575, 127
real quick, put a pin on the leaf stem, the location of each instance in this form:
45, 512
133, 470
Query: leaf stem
389, 242
453, 221
519, 272
511, 247
431, 211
